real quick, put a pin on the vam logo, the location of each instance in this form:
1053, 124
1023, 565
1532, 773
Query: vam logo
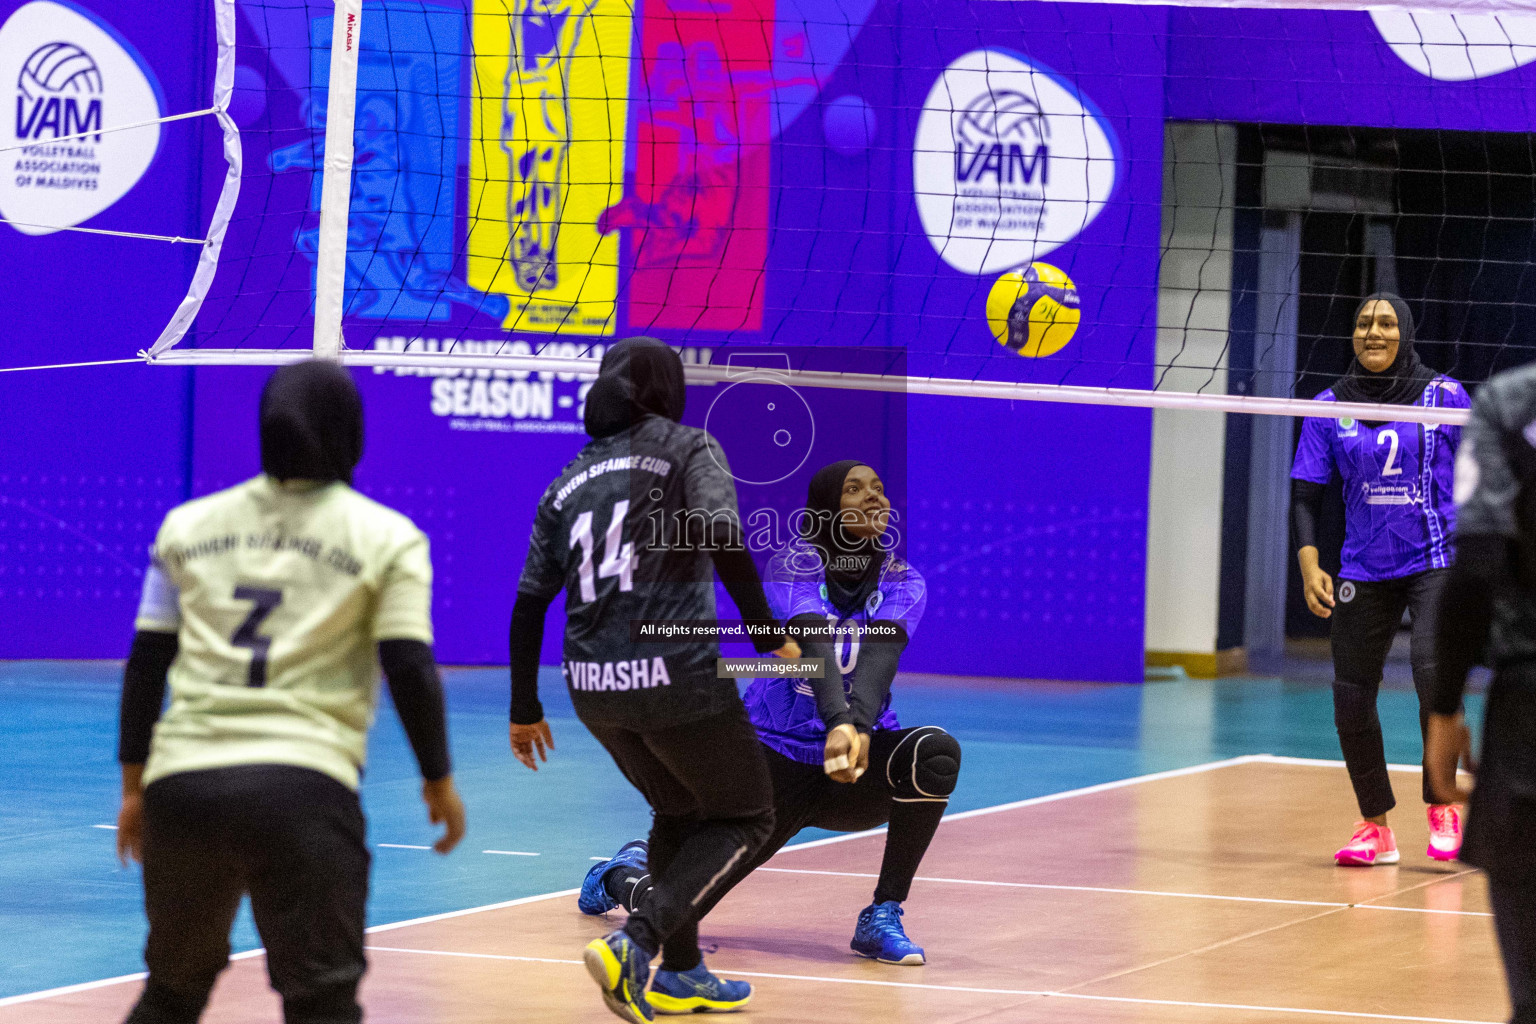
1458, 47
55, 81
1002, 137
73, 78
1009, 162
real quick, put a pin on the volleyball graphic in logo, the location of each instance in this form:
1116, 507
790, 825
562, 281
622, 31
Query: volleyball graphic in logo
59, 68
1034, 311
72, 79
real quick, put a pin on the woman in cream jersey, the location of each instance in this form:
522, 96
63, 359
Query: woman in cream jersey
269, 607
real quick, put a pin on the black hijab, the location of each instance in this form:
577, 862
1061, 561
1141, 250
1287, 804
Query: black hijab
852, 564
638, 377
1399, 384
311, 423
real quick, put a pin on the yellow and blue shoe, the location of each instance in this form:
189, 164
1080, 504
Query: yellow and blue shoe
621, 970
879, 936
593, 898
697, 991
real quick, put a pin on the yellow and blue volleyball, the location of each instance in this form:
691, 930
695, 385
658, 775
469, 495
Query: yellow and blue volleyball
1034, 311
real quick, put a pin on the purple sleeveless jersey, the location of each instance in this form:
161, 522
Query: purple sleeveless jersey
1398, 510
784, 710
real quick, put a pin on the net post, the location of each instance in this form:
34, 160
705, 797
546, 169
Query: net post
336, 179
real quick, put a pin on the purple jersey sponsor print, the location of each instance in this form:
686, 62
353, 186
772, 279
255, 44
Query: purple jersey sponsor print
784, 710
1398, 509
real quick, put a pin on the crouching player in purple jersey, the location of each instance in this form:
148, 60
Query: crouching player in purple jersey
838, 757
1399, 516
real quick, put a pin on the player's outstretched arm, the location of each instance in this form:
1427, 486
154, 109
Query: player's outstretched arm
831, 702
708, 485
417, 691
149, 662
874, 673
529, 732
734, 565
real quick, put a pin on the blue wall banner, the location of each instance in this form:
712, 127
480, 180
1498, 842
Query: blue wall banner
902, 175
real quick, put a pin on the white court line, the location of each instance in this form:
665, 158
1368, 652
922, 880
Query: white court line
510, 853
1318, 762
1078, 888
111, 827
1144, 892
1040, 993
477, 956
86, 986
400, 846
66, 990
472, 910
124, 979
1101, 787
1065, 795
1423, 910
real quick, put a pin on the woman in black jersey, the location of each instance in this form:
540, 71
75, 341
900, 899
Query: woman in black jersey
680, 735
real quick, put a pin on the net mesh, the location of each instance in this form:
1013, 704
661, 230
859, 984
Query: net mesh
543, 176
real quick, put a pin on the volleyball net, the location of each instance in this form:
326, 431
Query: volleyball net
1180, 208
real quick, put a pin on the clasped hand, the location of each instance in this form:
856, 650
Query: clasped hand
847, 754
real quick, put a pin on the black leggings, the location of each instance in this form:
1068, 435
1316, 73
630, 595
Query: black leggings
290, 837
911, 774
712, 807
1366, 617
1513, 897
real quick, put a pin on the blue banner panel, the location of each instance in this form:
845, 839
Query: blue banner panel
928, 187
1035, 564
1398, 69
92, 458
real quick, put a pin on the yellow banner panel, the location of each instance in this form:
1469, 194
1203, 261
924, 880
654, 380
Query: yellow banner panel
550, 97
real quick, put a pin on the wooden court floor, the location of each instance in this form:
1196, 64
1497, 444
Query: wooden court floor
1205, 895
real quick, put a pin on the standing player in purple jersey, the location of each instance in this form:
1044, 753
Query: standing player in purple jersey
1399, 517
838, 757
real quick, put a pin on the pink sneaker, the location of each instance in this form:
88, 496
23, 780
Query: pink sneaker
1371, 844
1444, 831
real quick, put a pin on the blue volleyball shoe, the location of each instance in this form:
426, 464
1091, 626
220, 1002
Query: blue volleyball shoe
593, 898
697, 991
621, 970
879, 936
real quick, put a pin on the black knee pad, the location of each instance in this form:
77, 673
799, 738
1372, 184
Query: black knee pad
1354, 707
925, 765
